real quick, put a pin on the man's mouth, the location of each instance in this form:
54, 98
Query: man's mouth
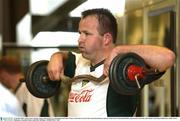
82, 49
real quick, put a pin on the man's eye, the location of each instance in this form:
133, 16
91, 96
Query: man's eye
86, 33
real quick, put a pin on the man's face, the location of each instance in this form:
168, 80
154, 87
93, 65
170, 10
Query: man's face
10, 80
5, 79
90, 41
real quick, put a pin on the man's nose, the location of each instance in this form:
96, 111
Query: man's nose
81, 38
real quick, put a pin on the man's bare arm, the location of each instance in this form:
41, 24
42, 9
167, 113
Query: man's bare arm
56, 65
157, 57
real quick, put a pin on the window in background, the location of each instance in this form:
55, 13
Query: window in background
117, 7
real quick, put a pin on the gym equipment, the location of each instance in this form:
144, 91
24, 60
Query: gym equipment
128, 74
38, 82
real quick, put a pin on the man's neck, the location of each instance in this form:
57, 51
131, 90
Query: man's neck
93, 67
102, 56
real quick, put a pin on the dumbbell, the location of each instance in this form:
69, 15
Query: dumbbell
37, 80
39, 84
127, 74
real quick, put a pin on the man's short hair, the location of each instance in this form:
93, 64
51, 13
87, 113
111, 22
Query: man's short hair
10, 64
106, 20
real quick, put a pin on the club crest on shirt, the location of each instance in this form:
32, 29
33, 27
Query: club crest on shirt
83, 96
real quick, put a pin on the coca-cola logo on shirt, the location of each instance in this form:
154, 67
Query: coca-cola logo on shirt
83, 96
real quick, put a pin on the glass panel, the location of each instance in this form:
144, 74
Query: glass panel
134, 27
159, 98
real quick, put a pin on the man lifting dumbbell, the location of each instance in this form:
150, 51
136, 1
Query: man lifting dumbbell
105, 79
98, 31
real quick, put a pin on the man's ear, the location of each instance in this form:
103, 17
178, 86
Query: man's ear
107, 38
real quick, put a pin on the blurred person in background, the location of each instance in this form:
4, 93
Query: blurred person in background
12, 78
9, 104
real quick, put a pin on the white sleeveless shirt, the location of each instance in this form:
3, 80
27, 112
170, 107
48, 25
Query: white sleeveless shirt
88, 100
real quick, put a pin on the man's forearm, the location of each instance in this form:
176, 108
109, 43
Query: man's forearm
64, 54
154, 56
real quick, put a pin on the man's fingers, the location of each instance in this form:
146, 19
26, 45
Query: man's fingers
55, 67
55, 75
50, 75
54, 72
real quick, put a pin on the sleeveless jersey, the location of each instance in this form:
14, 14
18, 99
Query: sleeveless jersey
94, 99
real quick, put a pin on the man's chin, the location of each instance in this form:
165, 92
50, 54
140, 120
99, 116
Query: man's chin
85, 55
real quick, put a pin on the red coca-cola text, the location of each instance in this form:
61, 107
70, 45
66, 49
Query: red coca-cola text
83, 96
